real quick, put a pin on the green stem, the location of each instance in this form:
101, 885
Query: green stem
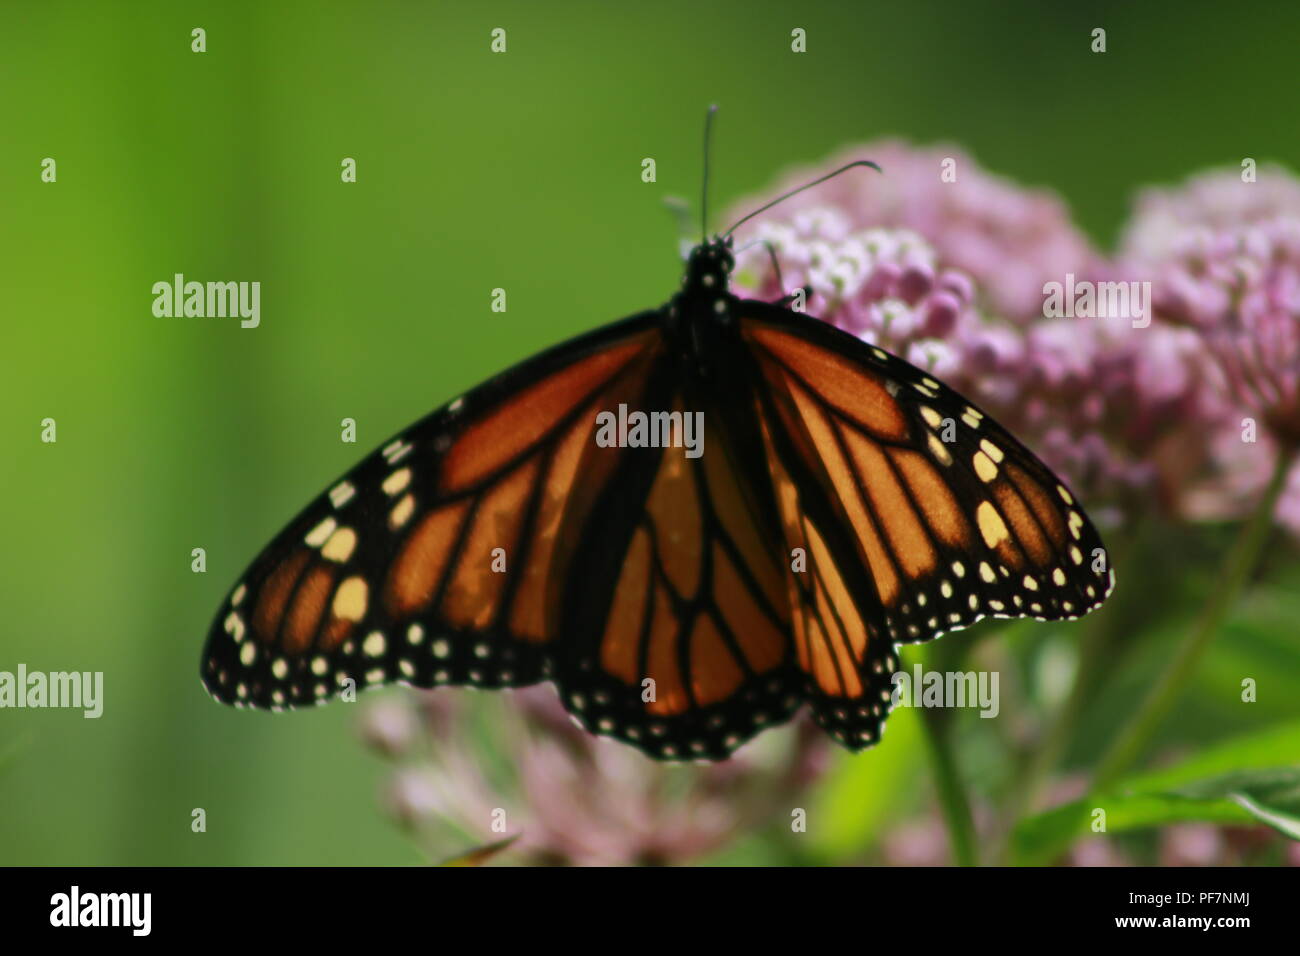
936, 724
952, 796
1237, 568
1026, 790
1096, 635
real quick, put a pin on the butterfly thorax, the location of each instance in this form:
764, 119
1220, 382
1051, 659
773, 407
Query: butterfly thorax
700, 312
708, 270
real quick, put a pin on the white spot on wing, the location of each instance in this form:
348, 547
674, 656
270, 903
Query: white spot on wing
395, 451
397, 481
342, 493
321, 533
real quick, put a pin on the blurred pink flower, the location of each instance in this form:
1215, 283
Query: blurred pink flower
920, 842
1224, 258
1007, 238
1135, 411
1288, 506
1213, 200
1097, 851
1192, 844
572, 798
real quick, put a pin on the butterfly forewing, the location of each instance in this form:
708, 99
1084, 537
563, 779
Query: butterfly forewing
954, 518
438, 559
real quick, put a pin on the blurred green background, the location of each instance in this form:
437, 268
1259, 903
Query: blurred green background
475, 171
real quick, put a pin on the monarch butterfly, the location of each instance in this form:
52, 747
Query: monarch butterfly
680, 602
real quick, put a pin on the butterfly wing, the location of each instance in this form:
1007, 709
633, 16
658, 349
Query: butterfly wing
440, 558
677, 618
916, 513
953, 517
844, 657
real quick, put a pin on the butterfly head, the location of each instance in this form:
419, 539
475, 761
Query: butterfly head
708, 269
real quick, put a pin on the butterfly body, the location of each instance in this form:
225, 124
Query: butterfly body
680, 602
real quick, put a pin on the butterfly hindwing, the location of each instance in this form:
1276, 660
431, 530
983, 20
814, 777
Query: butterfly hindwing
677, 613
845, 659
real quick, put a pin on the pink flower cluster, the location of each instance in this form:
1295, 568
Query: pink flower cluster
1224, 256
570, 797
1148, 408
1006, 237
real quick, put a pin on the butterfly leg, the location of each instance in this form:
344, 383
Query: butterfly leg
776, 265
801, 295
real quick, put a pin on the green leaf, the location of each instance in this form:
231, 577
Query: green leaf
1270, 796
1255, 778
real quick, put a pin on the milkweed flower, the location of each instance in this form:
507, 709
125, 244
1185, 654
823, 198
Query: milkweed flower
1007, 238
1288, 506
954, 277
883, 285
478, 769
1207, 202
1224, 255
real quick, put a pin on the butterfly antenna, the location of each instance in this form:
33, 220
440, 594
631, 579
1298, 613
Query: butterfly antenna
795, 192
704, 189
